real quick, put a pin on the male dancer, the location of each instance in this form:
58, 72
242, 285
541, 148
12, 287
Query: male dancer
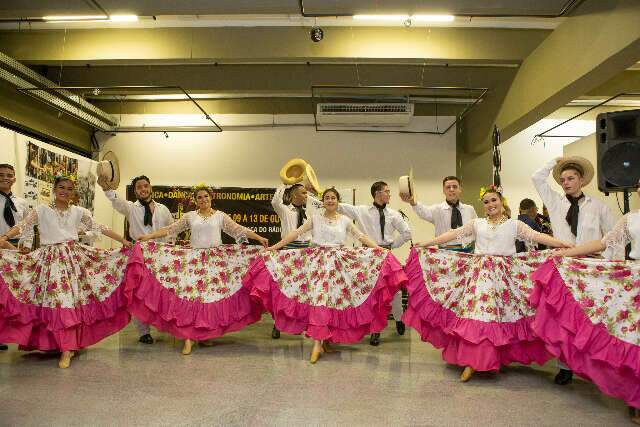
13, 208
290, 203
575, 217
144, 216
380, 222
447, 215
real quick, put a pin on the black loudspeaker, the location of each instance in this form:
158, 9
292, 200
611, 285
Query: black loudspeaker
618, 150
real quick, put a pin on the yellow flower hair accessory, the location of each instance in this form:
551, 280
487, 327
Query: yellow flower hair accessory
63, 176
491, 189
201, 186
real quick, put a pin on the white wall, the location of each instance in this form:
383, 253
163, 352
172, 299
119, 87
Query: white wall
253, 158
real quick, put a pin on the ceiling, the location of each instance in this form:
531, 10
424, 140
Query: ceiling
38, 8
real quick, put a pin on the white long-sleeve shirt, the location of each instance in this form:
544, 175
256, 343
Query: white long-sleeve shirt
368, 217
440, 216
21, 205
289, 215
134, 213
595, 219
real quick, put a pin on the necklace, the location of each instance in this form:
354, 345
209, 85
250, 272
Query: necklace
495, 224
206, 216
331, 219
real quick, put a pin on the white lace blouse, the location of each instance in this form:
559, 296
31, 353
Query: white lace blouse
55, 226
499, 240
626, 230
328, 232
206, 232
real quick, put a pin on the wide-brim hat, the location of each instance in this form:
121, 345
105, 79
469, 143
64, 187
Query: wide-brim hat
109, 167
310, 179
581, 163
293, 171
406, 185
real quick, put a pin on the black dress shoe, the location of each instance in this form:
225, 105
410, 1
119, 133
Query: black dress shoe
564, 377
400, 327
275, 334
4, 347
146, 339
375, 339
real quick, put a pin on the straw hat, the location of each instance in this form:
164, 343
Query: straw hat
109, 167
293, 171
310, 179
405, 184
581, 162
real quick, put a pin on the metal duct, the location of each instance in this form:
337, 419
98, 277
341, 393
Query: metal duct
44, 90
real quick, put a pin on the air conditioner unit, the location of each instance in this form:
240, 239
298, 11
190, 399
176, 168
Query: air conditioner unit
359, 114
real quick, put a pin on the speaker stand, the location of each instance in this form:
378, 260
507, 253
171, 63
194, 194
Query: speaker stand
626, 208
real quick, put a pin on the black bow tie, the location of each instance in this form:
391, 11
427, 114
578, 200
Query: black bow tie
573, 213
8, 208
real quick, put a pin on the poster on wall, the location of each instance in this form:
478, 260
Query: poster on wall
43, 165
250, 207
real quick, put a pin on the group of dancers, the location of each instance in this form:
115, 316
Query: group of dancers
469, 292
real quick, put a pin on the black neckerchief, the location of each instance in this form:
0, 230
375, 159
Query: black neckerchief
302, 214
573, 213
381, 212
8, 207
148, 215
456, 215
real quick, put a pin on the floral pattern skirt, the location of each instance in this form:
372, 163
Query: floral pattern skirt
588, 314
191, 293
474, 307
337, 294
62, 297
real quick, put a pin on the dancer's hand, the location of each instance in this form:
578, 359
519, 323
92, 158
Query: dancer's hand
269, 249
408, 199
6, 245
264, 241
559, 252
144, 238
103, 183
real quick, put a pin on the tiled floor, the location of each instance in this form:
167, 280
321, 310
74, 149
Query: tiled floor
249, 379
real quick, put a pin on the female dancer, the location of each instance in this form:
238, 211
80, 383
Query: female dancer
474, 307
589, 311
334, 293
194, 294
63, 296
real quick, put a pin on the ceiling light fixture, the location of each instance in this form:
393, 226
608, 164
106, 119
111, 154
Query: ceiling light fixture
404, 18
90, 18
433, 18
381, 17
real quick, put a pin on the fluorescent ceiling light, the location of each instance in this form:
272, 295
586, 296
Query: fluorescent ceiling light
75, 18
123, 18
381, 17
433, 18
91, 18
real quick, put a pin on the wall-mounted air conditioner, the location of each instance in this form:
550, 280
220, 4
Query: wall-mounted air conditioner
360, 114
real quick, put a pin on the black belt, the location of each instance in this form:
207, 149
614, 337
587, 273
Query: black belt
386, 246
